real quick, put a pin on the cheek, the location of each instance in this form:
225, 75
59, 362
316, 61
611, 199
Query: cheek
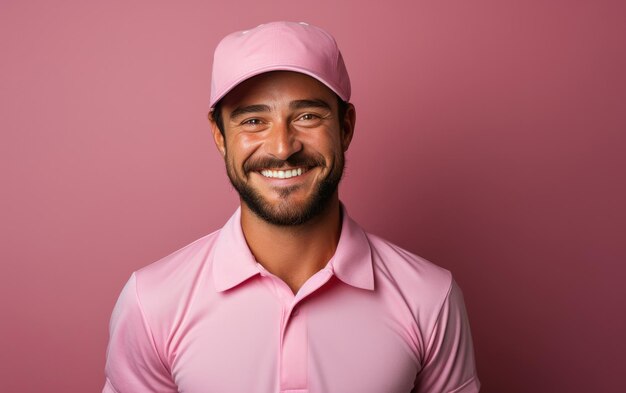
240, 147
326, 141
246, 142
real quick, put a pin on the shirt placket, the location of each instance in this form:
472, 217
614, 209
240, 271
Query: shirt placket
293, 344
293, 350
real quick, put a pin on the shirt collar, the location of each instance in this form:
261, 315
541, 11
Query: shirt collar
352, 262
233, 263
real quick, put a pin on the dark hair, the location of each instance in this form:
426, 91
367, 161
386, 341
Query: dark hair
216, 114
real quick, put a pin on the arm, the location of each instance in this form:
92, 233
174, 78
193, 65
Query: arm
449, 362
133, 363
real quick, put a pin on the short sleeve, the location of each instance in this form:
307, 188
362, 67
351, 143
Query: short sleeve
449, 365
133, 364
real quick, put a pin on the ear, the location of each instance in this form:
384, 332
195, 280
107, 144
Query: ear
348, 123
218, 138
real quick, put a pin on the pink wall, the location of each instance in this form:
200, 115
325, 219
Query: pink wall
490, 139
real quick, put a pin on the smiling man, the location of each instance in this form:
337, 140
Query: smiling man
291, 295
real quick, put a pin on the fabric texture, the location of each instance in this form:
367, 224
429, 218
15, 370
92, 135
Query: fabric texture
209, 318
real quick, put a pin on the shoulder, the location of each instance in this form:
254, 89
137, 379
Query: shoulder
164, 284
180, 262
423, 285
406, 266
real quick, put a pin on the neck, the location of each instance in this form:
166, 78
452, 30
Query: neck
293, 253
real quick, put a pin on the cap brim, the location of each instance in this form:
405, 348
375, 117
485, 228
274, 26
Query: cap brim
263, 70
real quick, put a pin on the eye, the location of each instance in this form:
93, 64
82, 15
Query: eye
309, 117
253, 122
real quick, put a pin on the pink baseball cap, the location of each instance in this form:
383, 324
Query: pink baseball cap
278, 46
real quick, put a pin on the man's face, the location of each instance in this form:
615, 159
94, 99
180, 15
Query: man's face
284, 145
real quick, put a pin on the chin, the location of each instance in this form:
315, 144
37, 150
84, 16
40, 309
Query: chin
289, 206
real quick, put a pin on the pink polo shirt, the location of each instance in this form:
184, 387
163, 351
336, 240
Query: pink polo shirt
209, 318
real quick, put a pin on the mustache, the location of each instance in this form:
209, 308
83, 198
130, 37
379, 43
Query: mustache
296, 160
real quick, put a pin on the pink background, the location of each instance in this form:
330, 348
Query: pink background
490, 139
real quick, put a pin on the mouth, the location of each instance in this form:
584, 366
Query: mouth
283, 173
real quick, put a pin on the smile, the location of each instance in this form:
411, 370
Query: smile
282, 174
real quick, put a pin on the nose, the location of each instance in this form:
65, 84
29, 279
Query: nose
282, 141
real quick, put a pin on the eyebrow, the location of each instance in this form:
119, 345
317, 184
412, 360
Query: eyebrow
248, 109
314, 103
293, 105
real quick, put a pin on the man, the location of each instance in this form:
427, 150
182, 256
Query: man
291, 295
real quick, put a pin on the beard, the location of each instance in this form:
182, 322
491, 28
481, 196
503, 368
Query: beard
286, 213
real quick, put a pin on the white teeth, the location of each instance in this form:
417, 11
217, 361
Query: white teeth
282, 174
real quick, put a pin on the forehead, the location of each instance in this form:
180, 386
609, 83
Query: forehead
276, 87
